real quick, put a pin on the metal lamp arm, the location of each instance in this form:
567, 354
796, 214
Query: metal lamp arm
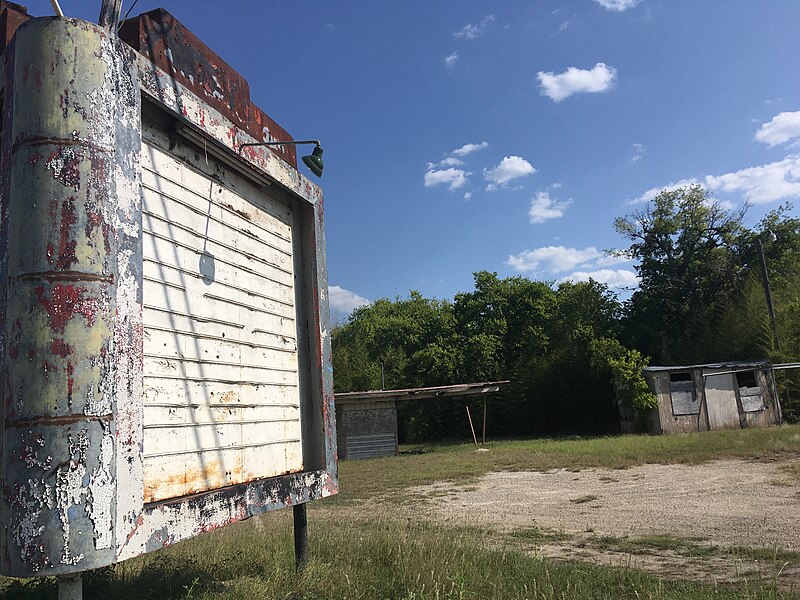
294, 142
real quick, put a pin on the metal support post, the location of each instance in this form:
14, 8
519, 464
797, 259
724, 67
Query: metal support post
109, 15
300, 536
70, 587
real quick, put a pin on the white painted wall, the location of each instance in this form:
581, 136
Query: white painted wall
221, 396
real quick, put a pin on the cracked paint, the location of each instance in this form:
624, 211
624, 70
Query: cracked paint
72, 273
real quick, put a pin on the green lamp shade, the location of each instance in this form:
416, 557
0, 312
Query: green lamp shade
314, 161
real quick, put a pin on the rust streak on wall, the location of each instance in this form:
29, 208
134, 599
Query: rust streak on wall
172, 47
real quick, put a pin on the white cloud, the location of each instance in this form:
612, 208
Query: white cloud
451, 59
344, 301
470, 148
614, 278
467, 196
563, 26
781, 129
653, 192
617, 5
544, 208
638, 152
575, 81
609, 260
581, 264
510, 168
765, 183
552, 259
453, 178
450, 161
470, 32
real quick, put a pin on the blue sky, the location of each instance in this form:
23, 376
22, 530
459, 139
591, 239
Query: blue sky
507, 136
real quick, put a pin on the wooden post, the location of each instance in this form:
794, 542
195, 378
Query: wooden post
300, 536
483, 436
768, 295
469, 416
70, 587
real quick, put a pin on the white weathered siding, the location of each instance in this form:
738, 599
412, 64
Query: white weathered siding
220, 344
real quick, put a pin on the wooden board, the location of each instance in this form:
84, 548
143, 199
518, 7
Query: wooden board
723, 412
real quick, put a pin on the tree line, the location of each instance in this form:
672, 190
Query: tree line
571, 349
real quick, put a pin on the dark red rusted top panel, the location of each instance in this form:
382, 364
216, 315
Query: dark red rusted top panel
12, 15
177, 51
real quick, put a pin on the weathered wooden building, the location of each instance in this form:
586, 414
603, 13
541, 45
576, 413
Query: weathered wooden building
366, 422
727, 395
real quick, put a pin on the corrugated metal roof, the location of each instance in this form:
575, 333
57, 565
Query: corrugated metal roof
462, 389
731, 364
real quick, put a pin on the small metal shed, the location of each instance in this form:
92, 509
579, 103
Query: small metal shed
725, 395
366, 422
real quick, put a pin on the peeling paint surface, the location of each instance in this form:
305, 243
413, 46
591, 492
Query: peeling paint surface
168, 92
166, 43
71, 274
222, 400
72, 331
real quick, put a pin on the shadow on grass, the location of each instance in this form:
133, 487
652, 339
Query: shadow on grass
162, 577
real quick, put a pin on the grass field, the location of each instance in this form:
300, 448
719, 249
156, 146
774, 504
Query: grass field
461, 463
358, 554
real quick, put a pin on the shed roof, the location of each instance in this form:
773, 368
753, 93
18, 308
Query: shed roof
461, 389
731, 364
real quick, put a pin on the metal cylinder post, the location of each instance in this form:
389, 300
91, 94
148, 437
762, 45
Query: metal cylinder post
300, 536
71, 295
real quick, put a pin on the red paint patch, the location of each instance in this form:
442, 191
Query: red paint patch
66, 245
70, 382
64, 165
60, 348
64, 302
95, 220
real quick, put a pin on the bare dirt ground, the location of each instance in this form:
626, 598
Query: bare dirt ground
722, 506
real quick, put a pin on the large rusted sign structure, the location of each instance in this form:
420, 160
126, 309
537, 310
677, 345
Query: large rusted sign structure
165, 353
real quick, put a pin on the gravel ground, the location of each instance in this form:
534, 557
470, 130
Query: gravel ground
728, 503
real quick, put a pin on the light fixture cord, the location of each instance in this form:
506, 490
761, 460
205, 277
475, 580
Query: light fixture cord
125, 18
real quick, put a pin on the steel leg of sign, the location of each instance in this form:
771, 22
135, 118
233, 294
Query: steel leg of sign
70, 587
300, 536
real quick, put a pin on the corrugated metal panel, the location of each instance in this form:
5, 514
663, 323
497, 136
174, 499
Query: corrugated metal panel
220, 346
371, 446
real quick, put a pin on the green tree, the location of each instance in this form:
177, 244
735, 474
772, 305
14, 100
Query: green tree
688, 246
540, 337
